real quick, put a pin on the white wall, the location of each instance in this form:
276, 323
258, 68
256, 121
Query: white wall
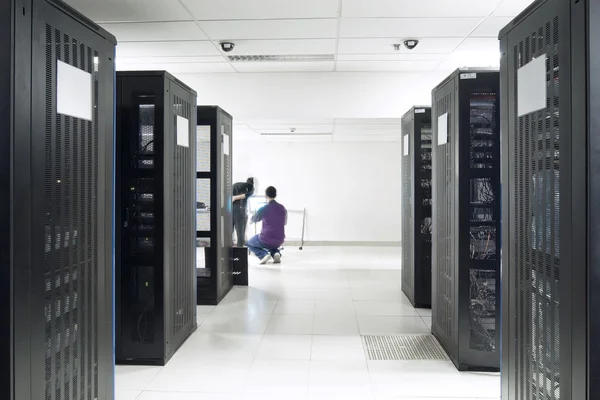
315, 95
351, 190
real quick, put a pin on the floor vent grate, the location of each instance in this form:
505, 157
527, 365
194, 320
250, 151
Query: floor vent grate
407, 347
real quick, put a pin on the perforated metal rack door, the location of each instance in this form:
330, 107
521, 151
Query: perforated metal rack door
444, 301
74, 194
225, 176
183, 266
534, 258
408, 261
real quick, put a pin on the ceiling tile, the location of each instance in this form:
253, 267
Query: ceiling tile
155, 31
474, 52
271, 29
284, 47
202, 68
511, 8
172, 49
391, 57
420, 8
284, 66
261, 9
131, 10
491, 27
452, 64
407, 27
479, 45
179, 68
168, 60
384, 46
344, 66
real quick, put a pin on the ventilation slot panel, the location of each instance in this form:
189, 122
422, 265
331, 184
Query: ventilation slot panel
71, 260
536, 255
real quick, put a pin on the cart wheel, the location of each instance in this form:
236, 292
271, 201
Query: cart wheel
300, 248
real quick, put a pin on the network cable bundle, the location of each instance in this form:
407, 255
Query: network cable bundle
416, 206
56, 168
466, 218
155, 234
551, 166
214, 220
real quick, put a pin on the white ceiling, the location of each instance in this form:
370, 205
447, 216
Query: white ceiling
183, 36
321, 130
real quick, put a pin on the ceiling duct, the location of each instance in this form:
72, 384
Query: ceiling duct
282, 58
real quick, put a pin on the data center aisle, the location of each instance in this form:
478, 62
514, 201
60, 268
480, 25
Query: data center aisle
298, 332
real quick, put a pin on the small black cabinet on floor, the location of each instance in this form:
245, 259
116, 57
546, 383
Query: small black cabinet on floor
240, 266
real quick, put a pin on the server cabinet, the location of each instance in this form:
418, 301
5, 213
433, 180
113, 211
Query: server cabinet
155, 286
56, 190
466, 218
416, 213
551, 168
214, 223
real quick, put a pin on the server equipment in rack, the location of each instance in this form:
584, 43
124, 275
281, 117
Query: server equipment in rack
214, 223
466, 218
416, 213
550, 73
156, 258
56, 191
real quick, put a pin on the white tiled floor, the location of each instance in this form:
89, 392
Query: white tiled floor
295, 334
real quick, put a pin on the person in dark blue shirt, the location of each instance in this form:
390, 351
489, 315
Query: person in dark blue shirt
274, 219
242, 191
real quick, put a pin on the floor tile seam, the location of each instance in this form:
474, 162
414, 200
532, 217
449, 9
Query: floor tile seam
162, 368
262, 339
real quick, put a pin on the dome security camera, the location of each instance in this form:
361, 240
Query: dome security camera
410, 44
227, 46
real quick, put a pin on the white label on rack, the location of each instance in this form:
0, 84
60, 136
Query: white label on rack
183, 132
470, 75
420, 111
73, 91
531, 86
225, 144
442, 131
406, 143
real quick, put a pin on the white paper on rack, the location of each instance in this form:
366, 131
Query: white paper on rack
531, 86
442, 131
183, 132
406, 143
226, 144
73, 91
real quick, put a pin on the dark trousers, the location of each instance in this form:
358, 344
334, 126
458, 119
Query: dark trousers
259, 249
240, 221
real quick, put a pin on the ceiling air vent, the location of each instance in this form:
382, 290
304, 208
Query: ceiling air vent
282, 58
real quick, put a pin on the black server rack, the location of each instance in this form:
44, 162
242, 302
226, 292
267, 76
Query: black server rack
466, 218
56, 192
550, 71
214, 221
155, 238
416, 206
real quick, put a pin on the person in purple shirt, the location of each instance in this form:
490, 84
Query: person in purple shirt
274, 219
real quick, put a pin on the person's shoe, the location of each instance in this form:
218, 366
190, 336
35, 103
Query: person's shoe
277, 258
265, 259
